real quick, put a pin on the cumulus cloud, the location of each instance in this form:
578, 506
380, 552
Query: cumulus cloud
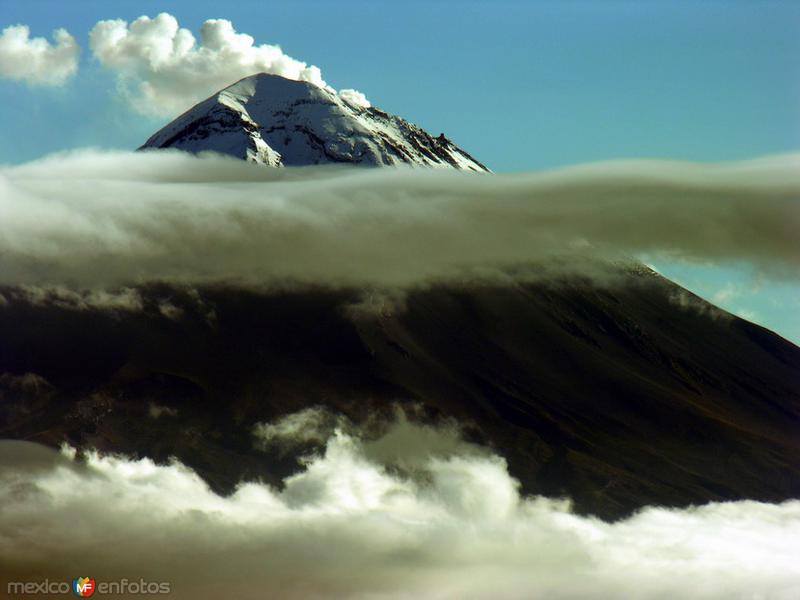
314, 424
354, 97
347, 526
163, 71
35, 60
98, 219
404, 441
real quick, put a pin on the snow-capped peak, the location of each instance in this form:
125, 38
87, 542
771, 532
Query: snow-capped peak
276, 121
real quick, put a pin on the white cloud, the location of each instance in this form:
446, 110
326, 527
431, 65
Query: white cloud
347, 526
162, 69
689, 302
311, 425
354, 97
400, 442
729, 298
35, 60
748, 315
106, 219
725, 294
126, 299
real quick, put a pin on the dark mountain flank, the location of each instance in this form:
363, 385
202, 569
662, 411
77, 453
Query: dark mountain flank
618, 394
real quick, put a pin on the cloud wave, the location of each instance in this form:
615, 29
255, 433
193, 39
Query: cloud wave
163, 71
102, 219
35, 60
350, 526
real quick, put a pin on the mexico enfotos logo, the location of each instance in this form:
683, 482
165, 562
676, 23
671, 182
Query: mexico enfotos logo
85, 587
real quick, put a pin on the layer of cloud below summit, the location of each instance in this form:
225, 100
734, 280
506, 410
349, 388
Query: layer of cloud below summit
98, 219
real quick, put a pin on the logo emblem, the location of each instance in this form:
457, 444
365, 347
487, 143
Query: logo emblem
83, 587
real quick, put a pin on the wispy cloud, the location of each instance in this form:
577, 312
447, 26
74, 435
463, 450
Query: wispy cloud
113, 218
726, 294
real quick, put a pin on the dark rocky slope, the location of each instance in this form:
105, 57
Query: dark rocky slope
617, 394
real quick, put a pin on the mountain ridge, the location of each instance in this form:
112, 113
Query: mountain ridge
274, 121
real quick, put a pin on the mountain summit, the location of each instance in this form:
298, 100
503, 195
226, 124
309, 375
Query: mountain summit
276, 121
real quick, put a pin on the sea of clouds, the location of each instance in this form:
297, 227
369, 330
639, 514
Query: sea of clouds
412, 513
415, 512
94, 219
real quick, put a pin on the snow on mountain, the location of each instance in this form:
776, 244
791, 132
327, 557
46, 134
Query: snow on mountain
275, 121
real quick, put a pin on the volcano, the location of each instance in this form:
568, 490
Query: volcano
618, 391
618, 395
271, 120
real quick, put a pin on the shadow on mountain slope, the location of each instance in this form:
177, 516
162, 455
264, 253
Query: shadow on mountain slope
619, 394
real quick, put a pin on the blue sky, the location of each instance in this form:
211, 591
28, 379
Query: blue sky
523, 85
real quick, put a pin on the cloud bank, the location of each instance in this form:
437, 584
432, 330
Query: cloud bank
104, 219
35, 60
350, 526
163, 71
